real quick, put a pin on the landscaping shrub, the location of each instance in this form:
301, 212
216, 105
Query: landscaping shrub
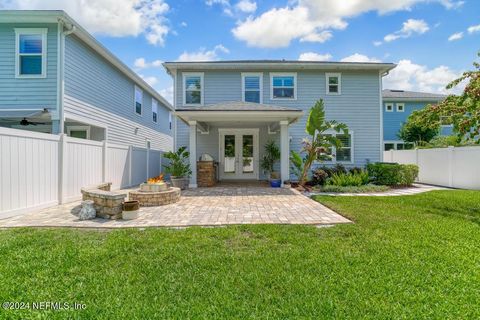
392, 174
319, 176
348, 179
354, 189
356, 170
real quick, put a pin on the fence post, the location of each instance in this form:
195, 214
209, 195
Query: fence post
450, 165
104, 161
130, 151
391, 155
416, 156
62, 168
147, 145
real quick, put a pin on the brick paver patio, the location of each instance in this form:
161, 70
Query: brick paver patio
225, 204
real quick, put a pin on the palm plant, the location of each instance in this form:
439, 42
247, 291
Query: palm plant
272, 155
318, 146
178, 166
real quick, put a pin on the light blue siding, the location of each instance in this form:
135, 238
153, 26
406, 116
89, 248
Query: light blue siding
358, 105
27, 93
392, 121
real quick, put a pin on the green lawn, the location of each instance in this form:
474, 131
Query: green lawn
413, 257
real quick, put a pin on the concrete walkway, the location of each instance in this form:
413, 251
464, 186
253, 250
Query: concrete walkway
415, 189
221, 205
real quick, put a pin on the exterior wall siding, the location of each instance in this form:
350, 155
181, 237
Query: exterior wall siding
358, 106
27, 93
96, 90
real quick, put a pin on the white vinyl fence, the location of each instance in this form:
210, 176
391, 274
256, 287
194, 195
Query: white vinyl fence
39, 170
449, 167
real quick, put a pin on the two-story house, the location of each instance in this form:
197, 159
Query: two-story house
397, 106
57, 78
230, 109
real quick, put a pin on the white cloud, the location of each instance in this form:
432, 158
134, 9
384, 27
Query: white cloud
117, 18
377, 43
151, 80
246, 6
167, 93
357, 57
313, 56
183, 24
410, 76
410, 27
473, 29
277, 27
456, 36
141, 63
317, 37
203, 54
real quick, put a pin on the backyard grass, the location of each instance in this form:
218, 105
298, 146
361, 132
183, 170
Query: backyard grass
411, 257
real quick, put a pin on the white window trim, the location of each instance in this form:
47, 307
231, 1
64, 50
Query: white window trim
388, 105
135, 101
154, 111
284, 74
252, 74
79, 128
400, 105
170, 120
184, 89
331, 75
41, 31
334, 149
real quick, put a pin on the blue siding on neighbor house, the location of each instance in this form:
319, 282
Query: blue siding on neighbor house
392, 121
358, 106
27, 93
105, 94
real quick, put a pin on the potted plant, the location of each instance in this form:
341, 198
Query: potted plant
271, 156
178, 168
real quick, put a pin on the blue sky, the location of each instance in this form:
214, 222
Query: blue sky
413, 33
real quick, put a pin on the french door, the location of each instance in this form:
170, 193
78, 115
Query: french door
238, 154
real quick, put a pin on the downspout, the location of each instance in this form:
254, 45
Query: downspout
64, 29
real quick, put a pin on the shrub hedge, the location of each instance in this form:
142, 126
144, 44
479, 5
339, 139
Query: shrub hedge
392, 174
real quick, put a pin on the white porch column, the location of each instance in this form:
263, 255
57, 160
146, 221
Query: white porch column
193, 153
284, 152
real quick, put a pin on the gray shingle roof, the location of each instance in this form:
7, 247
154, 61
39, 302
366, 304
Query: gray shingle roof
411, 95
238, 106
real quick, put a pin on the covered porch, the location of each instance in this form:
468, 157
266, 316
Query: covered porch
233, 135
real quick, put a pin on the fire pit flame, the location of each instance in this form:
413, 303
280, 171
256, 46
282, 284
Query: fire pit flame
155, 180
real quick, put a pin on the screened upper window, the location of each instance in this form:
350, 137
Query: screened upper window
283, 86
333, 83
252, 87
138, 100
154, 110
193, 84
31, 52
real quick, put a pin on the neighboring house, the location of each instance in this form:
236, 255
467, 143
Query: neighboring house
56, 78
397, 106
230, 109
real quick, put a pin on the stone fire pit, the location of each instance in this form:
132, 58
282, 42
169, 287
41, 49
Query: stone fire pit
155, 193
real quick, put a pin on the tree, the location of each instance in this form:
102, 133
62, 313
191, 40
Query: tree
319, 143
462, 111
417, 130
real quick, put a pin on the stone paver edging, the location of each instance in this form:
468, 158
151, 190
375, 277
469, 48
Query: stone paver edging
416, 189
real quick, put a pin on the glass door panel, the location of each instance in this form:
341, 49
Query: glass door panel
229, 154
247, 153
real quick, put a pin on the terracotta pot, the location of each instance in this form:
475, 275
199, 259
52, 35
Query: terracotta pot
133, 205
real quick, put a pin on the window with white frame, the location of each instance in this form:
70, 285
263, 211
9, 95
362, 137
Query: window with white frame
80, 132
252, 87
193, 92
400, 107
31, 53
170, 120
344, 153
138, 100
333, 83
283, 86
154, 110
389, 107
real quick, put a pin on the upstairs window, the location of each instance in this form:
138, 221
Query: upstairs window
138, 100
170, 119
31, 53
154, 110
252, 87
333, 83
389, 107
193, 84
400, 107
283, 86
